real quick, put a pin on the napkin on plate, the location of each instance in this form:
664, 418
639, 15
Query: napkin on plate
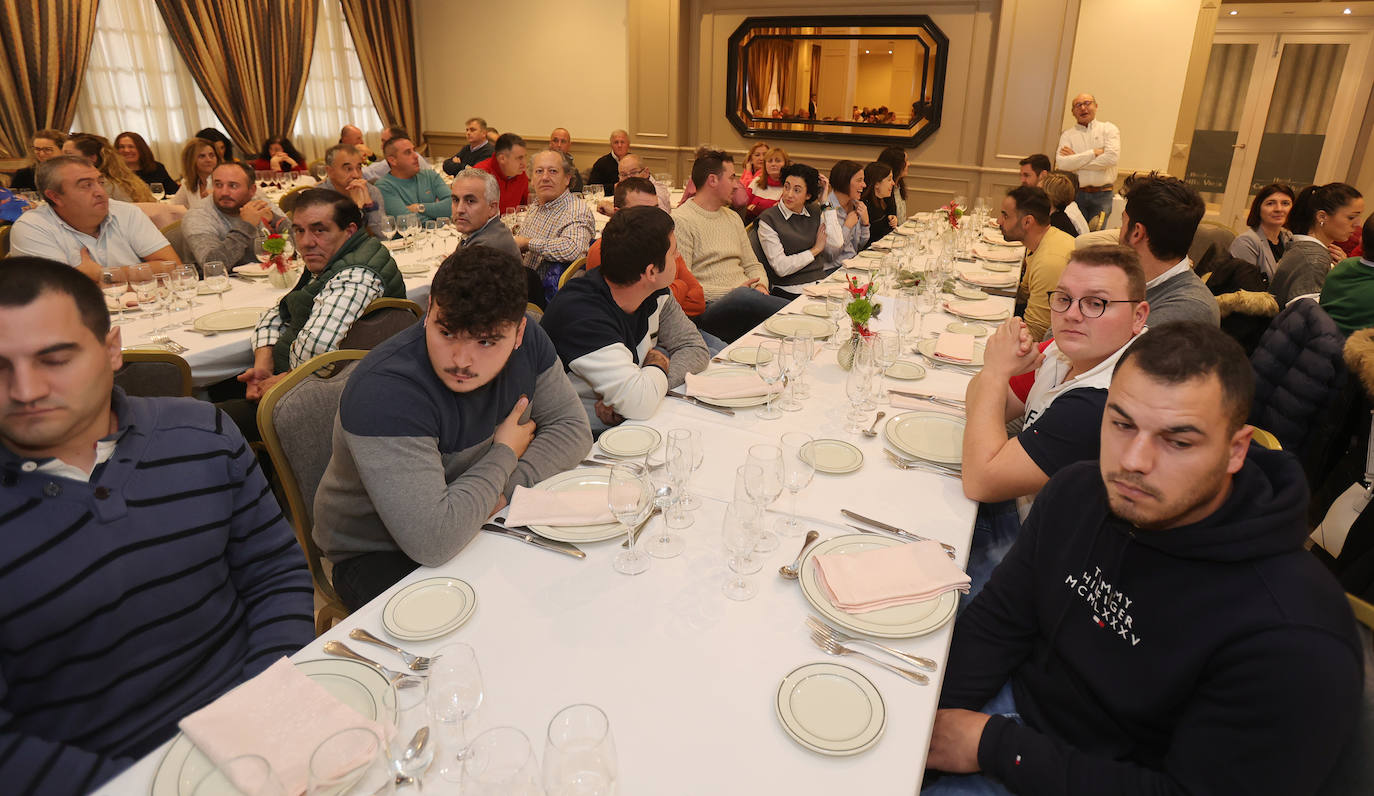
884, 577
821, 291
753, 340
542, 507
975, 309
739, 383
1001, 254
281, 715
955, 347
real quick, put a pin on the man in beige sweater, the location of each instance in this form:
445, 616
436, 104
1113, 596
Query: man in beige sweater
712, 241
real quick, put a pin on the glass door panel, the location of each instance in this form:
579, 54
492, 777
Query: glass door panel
1220, 116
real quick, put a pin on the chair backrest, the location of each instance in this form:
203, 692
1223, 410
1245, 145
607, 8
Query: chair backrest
174, 235
1097, 222
573, 271
1299, 371
296, 418
1210, 234
1266, 440
753, 232
5, 240
533, 310
380, 320
1354, 769
154, 374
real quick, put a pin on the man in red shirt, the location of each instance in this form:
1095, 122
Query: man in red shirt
508, 167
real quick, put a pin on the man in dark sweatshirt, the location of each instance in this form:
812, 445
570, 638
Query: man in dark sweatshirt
1157, 627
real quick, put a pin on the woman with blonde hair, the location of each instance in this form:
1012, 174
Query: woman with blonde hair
753, 163
766, 189
198, 161
123, 184
1059, 189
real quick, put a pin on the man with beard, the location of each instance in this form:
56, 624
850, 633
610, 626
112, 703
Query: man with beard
225, 230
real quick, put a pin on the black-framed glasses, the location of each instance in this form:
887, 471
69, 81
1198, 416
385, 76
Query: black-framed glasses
1090, 306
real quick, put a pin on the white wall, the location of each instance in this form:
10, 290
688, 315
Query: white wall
1132, 55
526, 66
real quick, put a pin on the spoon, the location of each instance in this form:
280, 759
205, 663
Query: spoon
793, 571
413, 751
871, 431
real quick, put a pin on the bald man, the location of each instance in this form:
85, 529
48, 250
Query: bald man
1090, 149
606, 170
560, 140
352, 135
631, 165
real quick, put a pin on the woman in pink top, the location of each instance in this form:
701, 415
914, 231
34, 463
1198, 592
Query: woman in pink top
753, 164
766, 189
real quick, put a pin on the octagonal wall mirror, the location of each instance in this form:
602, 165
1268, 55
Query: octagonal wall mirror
872, 79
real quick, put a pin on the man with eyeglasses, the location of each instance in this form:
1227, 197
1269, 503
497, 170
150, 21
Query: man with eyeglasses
1091, 149
1096, 310
632, 166
45, 145
559, 228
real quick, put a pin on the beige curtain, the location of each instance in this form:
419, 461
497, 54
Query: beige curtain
384, 38
249, 58
47, 43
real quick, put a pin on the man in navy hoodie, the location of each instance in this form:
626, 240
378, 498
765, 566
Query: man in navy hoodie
1157, 627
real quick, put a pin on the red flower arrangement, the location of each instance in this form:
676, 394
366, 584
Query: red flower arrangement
861, 308
275, 245
954, 212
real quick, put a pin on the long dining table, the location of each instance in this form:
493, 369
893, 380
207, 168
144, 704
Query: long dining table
688, 678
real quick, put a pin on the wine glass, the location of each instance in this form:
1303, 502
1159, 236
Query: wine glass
405, 704
579, 753
806, 347
856, 386
431, 236
114, 283
739, 538
834, 306
406, 225
797, 471
185, 284
455, 693
630, 500
216, 279
927, 297
663, 477
887, 350
144, 283
249, 775
500, 762
159, 192
768, 364
689, 501
387, 227
794, 358
906, 314
749, 511
351, 762
764, 486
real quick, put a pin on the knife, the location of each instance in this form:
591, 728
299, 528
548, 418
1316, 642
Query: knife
892, 529
697, 401
530, 537
953, 403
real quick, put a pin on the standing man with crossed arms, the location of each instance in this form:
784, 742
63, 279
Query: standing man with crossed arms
1090, 149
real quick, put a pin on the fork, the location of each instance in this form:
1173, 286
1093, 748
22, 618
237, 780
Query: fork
925, 467
817, 626
417, 663
341, 649
832, 647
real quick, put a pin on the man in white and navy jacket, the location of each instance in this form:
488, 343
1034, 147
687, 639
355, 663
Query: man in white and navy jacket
622, 336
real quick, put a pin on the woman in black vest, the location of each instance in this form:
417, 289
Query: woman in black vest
799, 237
877, 196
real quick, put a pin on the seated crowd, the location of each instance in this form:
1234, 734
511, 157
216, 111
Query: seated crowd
1142, 617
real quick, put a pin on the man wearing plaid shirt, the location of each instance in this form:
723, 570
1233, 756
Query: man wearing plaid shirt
558, 229
346, 268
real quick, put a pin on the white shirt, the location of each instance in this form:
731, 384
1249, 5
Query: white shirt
1093, 170
1182, 265
784, 264
1076, 217
125, 237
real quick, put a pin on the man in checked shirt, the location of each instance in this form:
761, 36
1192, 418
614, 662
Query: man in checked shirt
345, 269
558, 229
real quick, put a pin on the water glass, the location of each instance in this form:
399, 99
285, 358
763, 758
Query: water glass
856, 386
144, 283
765, 486
664, 479
926, 299
691, 502
768, 364
906, 314
750, 513
835, 306
159, 192
185, 285
455, 693
797, 472
739, 537
388, 227
794, 360
500, 762
579, 753
886, 351
216, 279
114, 283
404, 704
630, 500
249, 775
351, 762
806, 344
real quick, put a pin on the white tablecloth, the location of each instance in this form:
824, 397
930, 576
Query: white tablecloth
687, 677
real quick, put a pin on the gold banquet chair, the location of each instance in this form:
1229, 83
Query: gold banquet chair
380, 320
296, 418
154, 374
578, 267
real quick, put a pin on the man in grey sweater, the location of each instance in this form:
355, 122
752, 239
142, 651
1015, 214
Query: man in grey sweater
1160, 219
225, 229
439, 424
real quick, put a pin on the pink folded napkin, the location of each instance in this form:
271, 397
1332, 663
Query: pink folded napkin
281, 715
884, 577
955, 347
821, 291
542, 507
739, 383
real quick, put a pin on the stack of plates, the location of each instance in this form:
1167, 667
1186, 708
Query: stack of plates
930, 436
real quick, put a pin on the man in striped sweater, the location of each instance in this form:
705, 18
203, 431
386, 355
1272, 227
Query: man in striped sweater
146, 567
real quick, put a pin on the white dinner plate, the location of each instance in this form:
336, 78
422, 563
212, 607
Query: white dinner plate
976, 312
980, 278
785, 325
831, 709
628, 440
412, 268
933, 436
993, 235
998, 254
251, 269
817, 309
833, 456
729, 403
229, 320
899, 621
113, 307
586, 479
905, 370
748, 355
355, 684
872, 254
428, 609
203, 289
927, 349
1000, 268
969, 293
964, 327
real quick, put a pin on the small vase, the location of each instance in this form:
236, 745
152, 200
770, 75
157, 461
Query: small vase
845, 355
281, 279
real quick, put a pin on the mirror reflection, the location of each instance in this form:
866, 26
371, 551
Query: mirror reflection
837, 78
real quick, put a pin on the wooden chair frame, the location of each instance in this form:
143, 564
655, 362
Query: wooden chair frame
578, 266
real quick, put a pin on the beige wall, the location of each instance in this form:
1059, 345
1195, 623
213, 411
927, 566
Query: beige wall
526, 66
1132, 55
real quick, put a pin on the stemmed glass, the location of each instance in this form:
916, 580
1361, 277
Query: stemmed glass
579, 753
144, 283
351, 762
114, 283
185, 284
926, 298
405, 704
749, 511
500, 762
250, 775
793, 362
856, 386
694, 444
216, 279
388, 227
806, 348
764, 486
797, 471
739, 536
630, 500
159, 192
664, 478
906, 315
406, 225
886, 351
834, 305
768, 364
455, 693
431, 238
166, 298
